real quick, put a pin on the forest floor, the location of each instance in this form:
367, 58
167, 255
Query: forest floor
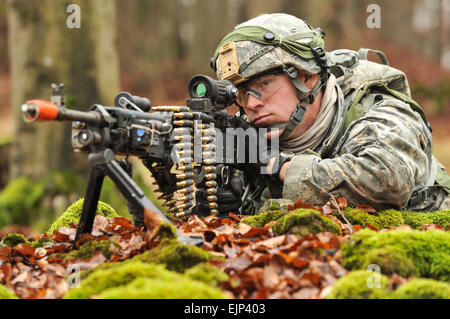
259, 261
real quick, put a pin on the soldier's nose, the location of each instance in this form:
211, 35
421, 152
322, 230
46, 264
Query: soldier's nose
254, 102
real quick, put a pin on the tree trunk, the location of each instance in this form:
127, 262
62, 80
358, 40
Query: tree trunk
45, 50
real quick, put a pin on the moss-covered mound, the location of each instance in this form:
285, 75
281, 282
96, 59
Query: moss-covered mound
14, 239
73, 214
415, 220
423, 289
360, 284
407, 253
207, 273
141, 280
88, 249
393, 218
155, 288
175, 256
6, 293
272, 204
304, 221
263, 218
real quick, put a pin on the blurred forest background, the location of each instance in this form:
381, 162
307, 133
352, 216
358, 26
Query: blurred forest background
151, 48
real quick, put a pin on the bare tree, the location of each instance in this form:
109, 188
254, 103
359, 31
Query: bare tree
70, 42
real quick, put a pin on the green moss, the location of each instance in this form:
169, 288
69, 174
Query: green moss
156, 288
140, 280
166, 231
88, 249
391, 260
14, 239
427, 250
355, 216
104, 266
207, 273
304, 221
415, 220
360, 284
388, 218
175, 255
423, 289
6, 293
393, 218
118, 275
43, 242
382, 219
275, 204
263, 218
73, 214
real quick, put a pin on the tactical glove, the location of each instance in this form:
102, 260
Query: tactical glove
228, 198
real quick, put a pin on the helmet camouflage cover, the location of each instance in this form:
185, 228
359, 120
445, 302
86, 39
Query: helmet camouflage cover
264, 43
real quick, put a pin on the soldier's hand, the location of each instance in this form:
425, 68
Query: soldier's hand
228, 198
283, 170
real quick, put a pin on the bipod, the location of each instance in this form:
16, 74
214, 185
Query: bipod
103, 163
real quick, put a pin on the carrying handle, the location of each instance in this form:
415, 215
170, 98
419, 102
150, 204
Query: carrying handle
363, 52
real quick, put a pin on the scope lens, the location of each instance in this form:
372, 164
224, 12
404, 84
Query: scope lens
200, 89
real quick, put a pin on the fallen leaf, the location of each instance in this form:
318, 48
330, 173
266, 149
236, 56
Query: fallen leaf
24, 249
306, 293
152, 220
430, 227
234, 217
366, 208
342, 202
271, 277
244, 228
21, 278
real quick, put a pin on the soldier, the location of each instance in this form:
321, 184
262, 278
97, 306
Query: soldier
347, 126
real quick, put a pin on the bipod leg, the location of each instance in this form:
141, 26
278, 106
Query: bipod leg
136, 196
90, 202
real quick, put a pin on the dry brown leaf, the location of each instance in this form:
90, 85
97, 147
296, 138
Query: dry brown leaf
271, 277
244, 228
430, 227
270, 242
367, 208
21, 278
306, 293
23, 249
100, 225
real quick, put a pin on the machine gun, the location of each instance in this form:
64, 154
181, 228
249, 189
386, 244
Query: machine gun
176, 143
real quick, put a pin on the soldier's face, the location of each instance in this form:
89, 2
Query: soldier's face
276, 101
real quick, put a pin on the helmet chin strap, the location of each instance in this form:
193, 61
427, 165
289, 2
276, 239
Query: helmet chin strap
305, 96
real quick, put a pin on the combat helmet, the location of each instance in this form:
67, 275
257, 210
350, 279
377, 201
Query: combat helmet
269, 42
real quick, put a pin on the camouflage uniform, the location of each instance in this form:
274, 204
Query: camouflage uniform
379, 161
381, 158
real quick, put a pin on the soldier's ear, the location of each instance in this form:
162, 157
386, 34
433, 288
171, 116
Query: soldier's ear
308, 79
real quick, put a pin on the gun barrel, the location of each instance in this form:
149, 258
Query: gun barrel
40, 110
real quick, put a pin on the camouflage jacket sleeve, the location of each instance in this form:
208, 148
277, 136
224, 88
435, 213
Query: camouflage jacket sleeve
381, 159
